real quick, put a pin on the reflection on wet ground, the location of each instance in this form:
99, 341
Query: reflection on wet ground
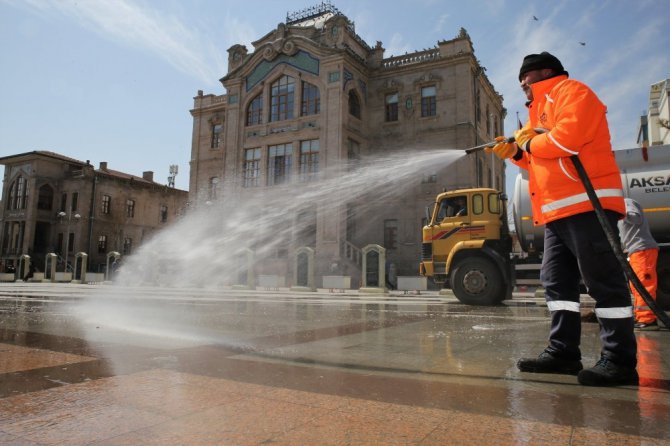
106, 365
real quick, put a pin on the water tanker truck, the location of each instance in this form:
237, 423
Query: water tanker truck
474, 253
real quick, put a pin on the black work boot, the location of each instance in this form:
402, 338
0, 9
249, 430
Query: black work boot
548, 363
608, 373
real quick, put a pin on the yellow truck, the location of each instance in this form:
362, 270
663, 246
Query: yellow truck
466, 245
470, 251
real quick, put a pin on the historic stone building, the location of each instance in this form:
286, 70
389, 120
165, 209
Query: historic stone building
654, 129
52, 203
311, 94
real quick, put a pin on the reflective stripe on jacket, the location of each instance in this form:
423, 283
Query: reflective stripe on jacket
577, 125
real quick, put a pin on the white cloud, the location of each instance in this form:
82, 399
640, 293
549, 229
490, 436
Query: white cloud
130, 24
441, 21
398, 46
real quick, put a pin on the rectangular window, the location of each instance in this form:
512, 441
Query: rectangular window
351, 221
311, 100
63, 202
127, 246
45, 198
216, 135
74, 204
477, 204
391, 107
478, 106
106, 202
489, 116
309, 160
130, 208
163, 214
279, 164
252, 166
429, 178
390, 234
494, 204
70, 242
102, 244
59, 243
353, 153
428, 101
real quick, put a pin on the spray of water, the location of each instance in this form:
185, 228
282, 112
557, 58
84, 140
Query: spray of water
206, 248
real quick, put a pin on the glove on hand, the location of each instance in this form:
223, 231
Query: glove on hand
503, 149
523, 137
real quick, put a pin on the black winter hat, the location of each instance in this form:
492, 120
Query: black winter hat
540, 61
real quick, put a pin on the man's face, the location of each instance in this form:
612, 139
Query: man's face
531, 77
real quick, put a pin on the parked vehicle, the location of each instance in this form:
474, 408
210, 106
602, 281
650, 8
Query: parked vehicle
473, 254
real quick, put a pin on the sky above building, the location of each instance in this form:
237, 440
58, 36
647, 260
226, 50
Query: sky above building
114, 80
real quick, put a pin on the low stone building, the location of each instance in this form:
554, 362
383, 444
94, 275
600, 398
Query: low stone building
53, 203
312, 95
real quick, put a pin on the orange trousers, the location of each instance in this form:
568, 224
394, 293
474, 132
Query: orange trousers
644, 265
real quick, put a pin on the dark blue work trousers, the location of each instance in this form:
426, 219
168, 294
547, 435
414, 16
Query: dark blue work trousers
577, 247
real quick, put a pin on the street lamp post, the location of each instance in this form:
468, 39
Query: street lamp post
69, 216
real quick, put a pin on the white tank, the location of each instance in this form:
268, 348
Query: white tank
645, 173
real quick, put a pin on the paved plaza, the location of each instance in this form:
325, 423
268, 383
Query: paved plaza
109, 365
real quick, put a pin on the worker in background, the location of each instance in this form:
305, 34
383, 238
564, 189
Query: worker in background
575, 244
642, 251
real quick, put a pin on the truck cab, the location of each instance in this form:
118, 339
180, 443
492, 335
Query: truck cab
466, 245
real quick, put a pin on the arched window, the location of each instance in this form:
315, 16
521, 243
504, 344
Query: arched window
282, 94
45, 198
18, 194
213, 186
354, 104
255, 111
311, 99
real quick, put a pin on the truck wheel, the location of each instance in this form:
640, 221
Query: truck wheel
477, 281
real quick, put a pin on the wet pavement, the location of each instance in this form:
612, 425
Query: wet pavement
107, 365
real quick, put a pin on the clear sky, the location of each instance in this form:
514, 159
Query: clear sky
114, 80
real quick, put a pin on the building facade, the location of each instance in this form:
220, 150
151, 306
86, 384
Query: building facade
313, 91
655, 125
52, 203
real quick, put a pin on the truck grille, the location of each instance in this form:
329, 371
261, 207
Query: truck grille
427, 251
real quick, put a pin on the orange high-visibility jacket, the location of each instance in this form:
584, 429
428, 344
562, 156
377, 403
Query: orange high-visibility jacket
577, 125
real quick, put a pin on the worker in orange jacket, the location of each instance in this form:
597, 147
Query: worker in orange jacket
575, 245
642, 250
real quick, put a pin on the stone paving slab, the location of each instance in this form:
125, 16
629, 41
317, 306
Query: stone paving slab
273, 368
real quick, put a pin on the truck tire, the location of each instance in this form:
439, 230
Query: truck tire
477, 281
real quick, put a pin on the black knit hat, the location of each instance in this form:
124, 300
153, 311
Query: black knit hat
540, 61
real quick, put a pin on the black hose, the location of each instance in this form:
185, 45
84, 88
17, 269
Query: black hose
614, 243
